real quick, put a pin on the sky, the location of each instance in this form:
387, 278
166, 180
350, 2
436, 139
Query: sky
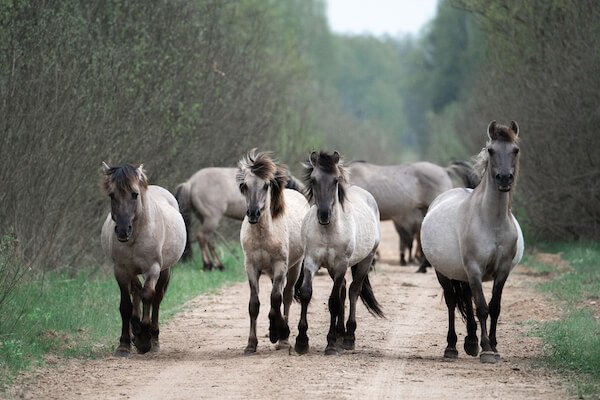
379, 17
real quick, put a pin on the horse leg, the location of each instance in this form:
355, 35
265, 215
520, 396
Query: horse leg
161, 288
203, 244
143, 341
335, 305
403, 242
487, 354
136, 289
205, 238
215, 256
341, 328
359, 273
288, 297
450, 298
471, 345
125, 308
305, 295
495, 310
278, 328
253, 307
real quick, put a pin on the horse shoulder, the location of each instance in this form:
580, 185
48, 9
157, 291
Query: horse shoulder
166, 230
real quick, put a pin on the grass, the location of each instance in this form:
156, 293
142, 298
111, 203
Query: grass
573, 343
78, 316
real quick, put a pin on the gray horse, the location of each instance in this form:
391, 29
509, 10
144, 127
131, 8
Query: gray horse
210, 194
470, 236
404, 192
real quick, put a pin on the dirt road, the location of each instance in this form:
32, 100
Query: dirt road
400, 357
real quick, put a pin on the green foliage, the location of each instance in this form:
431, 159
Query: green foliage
573, 343
79, 315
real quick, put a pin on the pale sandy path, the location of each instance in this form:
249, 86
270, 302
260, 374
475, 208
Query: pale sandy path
395, 358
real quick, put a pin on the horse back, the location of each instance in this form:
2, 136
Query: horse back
214, 192
364, 222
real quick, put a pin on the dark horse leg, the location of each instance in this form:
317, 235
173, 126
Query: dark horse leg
359, 273
495, 311
253, 308
450, 298
136, 319
278, 327
471, 345
487, 354
143, 340
161, 288
334, 310
304, 293
340, 326
125, 307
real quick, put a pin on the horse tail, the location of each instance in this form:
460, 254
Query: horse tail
298, 284
368, 297
465, 171
183, 197
462, 292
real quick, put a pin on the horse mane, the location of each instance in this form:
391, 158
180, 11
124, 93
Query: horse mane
122, 177
264, 167
327, 164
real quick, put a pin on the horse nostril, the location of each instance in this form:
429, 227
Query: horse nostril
511, 177
498, 177
116, 229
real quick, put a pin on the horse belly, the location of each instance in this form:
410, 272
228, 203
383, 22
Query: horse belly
440, 240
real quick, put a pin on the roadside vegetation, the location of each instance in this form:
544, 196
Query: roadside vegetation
572, 344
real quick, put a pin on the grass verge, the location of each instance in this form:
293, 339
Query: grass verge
573, 343
78, 316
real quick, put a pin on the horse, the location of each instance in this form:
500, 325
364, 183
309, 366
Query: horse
404, 192
210, 194
270, 238
341, 230
471, 236
144, 234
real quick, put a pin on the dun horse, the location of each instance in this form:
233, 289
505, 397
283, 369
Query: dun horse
341, 230
470, 236
144, 234
404, 192
210, 194
271, 240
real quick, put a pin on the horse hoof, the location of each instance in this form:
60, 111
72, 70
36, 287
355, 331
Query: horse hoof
122, 351
273, 336
451, 353
348, 344
301, 348
332, 351
498, 358
471, 347
488, 357
421, 270
283, 344
249, 350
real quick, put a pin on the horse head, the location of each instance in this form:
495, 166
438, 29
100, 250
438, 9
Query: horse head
325, 178
503, 154
124, 184
261, 181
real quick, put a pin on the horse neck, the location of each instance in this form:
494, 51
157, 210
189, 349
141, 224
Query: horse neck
142, 214
495, 204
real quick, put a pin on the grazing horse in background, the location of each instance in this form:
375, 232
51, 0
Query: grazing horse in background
210, 194
471, 236
270, 237
404, 192
144, 234
341, 230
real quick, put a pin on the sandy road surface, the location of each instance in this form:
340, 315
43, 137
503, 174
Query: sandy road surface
399, 357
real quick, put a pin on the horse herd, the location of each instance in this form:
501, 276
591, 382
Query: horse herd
459, 216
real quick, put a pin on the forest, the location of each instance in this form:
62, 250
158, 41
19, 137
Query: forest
183, 85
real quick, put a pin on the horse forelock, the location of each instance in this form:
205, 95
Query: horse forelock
124, 178
504, 133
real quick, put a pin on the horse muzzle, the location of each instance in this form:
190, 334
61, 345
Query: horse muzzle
324, 217
253, 216
504, 182
123, 235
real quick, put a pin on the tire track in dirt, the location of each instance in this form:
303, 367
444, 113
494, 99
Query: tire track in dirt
398, 357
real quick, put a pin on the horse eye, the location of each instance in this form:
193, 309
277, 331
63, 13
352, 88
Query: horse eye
242, 187
266, 186
516, 151
490, 151
111, 195
134, 195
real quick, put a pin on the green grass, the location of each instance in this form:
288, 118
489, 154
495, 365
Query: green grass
573, 343
79, 316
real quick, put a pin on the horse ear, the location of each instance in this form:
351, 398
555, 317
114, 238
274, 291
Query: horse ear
142, 175
491, 130
105, 168
336, 157
313, 158
515, 127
